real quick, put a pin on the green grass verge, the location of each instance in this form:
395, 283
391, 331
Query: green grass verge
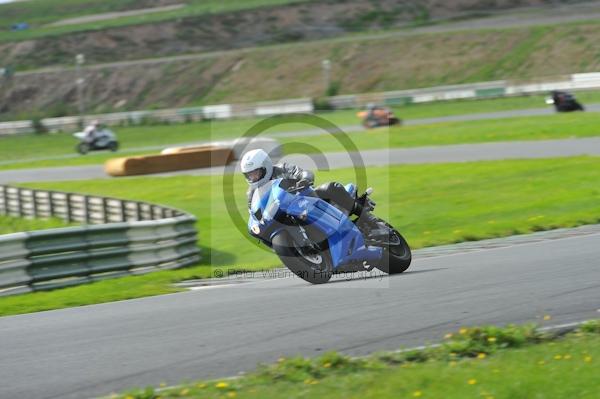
558, 126
430, 204
480, 362
17, 152
10, 224
42, 12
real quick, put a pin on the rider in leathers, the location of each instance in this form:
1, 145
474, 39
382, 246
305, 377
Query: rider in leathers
258, 170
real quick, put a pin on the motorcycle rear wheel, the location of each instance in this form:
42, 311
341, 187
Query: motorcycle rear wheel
311, 266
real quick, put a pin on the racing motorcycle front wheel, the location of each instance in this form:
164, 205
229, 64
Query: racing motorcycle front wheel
396, 252
309, 264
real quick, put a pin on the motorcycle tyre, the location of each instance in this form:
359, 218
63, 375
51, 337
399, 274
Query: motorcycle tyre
293, 260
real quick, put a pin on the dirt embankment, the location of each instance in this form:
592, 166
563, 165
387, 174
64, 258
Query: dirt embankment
292, 23
391, 63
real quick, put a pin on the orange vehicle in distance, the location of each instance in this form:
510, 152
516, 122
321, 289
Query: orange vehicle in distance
376, 116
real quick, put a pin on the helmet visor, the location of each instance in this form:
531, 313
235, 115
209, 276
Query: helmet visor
255, 175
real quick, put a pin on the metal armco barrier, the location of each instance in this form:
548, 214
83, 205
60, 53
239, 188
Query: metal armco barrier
118, 238
581, 81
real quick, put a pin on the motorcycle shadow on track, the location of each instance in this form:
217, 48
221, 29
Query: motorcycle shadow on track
377, 275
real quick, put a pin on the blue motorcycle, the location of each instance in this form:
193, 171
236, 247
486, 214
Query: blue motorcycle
315, 239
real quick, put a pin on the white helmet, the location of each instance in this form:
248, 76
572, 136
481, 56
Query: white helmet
257, 167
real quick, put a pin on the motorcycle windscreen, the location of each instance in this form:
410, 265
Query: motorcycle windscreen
260, 198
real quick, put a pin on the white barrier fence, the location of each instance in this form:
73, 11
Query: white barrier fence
179, 115
502, 88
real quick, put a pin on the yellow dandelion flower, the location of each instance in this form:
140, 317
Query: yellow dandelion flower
567, 357
308, 381
231, 394
547, 317
201, 386
184, 392
472, 381
162, 384
463, 331
481, 356
129, 397
448, 336
453, 363
557, 357
221, 385
417, 394
314, 382
457, 231
541, 362
327, 365
491, 339
587, 359
281, 359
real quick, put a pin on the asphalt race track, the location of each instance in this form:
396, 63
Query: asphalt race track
223, 330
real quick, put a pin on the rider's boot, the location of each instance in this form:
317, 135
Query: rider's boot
368, 224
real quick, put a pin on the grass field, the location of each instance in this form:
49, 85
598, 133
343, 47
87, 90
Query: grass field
530, 365
9, 224
29, 151
429, 204
42, 12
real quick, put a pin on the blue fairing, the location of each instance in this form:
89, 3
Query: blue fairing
346, 242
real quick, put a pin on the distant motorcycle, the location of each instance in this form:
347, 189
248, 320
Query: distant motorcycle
315, 239
564, 101
104, 140
376, 116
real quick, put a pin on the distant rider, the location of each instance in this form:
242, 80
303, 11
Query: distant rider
92, 132
258, 169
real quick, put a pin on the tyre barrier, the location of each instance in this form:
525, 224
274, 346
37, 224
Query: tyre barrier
117, 238
238, 147
204, 157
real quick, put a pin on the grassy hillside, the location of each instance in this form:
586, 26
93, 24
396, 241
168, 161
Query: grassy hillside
197, 26
40, 13
362, 64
